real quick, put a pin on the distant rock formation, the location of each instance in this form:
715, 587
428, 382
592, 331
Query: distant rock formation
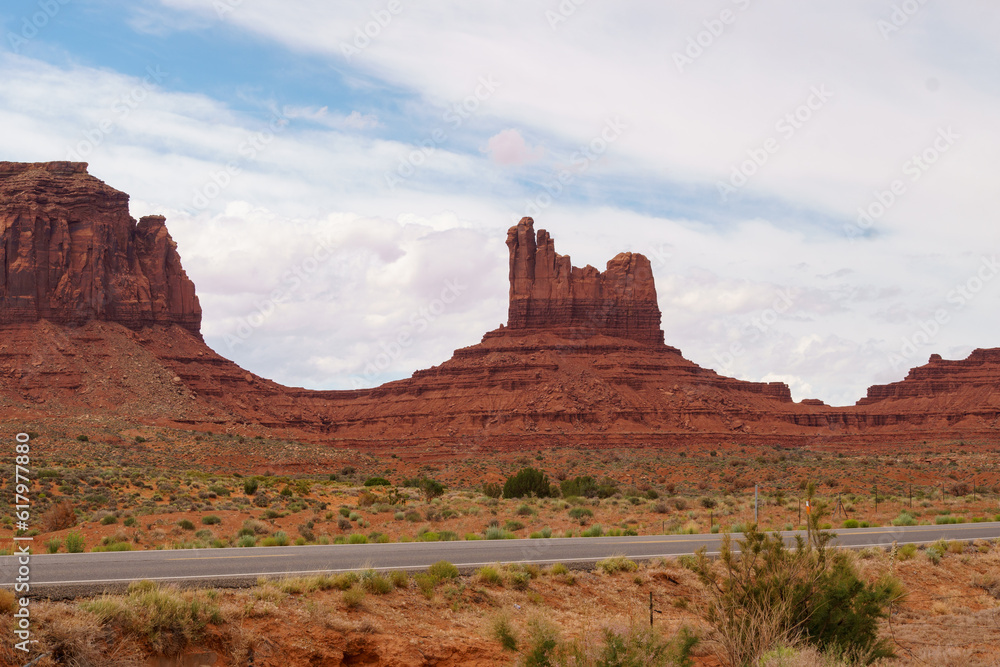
71, 253
548, 293
975, 375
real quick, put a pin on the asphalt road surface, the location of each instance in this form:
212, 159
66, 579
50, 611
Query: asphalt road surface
65, 575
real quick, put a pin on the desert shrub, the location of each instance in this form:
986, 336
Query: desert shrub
492, 490
851, 523
59, 517
109, 519
489, 574
585, 487
247, 541
353, 597
580, 513
375, 583
504, 633
53, 545
210, 520
74, 543
904, 519
279, 539
443, 570
942, 520
617, 564
906, 552
527, 481
426, 583
83, 438
399, 578
167, 619
357, 538
428, 487
497, 533
707, 503
366, 499
766, 593
594, 531
186, 524
377, 481
250, 486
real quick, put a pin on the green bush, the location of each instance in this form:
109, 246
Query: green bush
357, 538
53, 545
210, 520
527, 481
443, 570
504, 633
74, 543
765, 593
904, 519
492, 490
851, 523
186, 524
617, 564
375, 583
279, 539
488, 574
580, 513
942, 520
250, 486
247, 541
377, 481
593, 531
109, 519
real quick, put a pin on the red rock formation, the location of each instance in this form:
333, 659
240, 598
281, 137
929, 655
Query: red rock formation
582, 360
548, 293
72, 253
940, 377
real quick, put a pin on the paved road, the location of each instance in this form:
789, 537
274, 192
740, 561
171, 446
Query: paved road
234, 566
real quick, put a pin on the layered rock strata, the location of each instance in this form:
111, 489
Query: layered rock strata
71, 253
547, 292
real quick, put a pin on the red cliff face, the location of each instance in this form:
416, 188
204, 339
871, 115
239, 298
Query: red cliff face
70, 253
548, 293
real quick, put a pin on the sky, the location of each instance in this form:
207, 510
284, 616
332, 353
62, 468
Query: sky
811, 181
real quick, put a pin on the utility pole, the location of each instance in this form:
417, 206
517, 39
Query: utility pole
755, 487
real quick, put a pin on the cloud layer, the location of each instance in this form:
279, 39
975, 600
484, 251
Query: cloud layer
813, 187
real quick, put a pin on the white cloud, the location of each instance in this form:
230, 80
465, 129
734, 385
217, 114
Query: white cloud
857, 301
509, 148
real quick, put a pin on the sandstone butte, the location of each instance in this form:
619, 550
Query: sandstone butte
98, 318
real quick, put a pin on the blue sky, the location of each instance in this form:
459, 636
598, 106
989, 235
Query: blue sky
262, 140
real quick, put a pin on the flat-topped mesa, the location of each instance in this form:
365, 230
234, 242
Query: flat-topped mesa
70, 253
548, 292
